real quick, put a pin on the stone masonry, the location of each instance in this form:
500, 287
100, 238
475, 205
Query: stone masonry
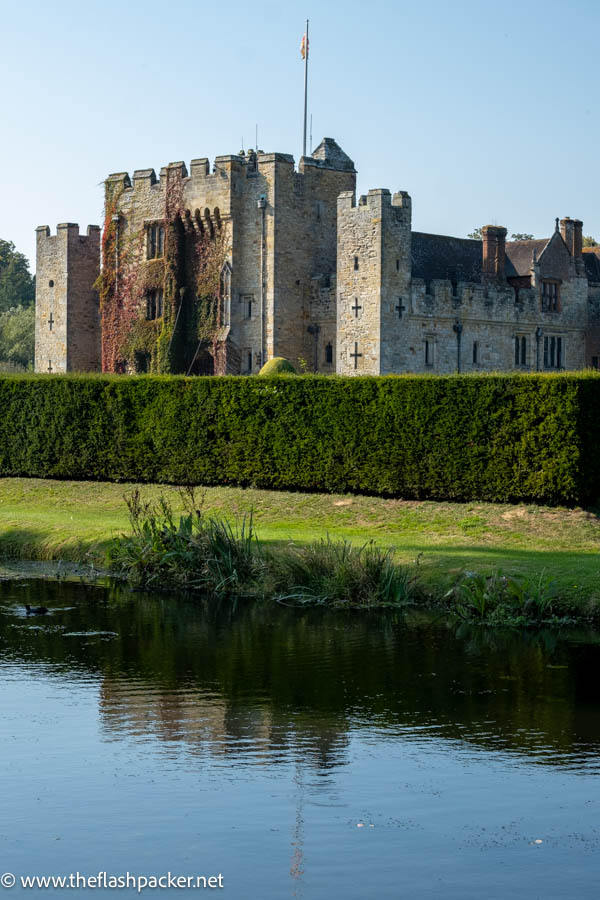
67, 325
309, 274
413, 302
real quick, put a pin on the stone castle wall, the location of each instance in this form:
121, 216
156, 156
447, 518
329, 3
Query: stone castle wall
67, 325
281, 231
388, 322
335, 277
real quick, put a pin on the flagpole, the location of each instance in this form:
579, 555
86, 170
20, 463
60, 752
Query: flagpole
305, 90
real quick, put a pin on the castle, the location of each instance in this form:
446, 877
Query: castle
217, 270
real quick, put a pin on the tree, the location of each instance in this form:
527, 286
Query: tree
17, 336
589, 241
477, 235
17, 285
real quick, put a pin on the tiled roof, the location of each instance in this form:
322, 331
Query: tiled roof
591, 260
438, 256
519, 254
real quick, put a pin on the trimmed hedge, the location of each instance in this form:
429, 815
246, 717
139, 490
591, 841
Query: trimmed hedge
490, 437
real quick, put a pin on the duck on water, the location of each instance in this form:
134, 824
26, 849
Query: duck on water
36, 610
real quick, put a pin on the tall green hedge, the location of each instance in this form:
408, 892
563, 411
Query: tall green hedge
494, 437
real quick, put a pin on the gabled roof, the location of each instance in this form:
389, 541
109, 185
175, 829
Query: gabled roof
438, 256
519, 255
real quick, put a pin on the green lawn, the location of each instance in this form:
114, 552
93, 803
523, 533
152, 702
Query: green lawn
50, 520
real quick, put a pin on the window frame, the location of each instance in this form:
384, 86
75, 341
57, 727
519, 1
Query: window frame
522, 348
554, 352
247, 301
429, 351
550, 298
155, 304
155, 240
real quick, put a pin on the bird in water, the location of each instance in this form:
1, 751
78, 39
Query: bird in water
36, 610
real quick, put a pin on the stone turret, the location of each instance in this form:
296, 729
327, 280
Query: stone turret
67, 325
373, 280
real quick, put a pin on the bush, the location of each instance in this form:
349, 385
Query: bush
495, 437
501, 599
278, 366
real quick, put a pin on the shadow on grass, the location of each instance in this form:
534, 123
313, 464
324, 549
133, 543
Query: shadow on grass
29, 544
577, 574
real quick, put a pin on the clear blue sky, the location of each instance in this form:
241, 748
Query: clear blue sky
484, 113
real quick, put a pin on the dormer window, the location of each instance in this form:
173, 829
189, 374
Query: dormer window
550, 296
155, 241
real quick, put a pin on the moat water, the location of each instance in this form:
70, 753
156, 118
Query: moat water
299, 753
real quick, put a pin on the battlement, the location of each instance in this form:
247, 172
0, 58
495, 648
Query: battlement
70, 229
327, 156
147, 176
375, 202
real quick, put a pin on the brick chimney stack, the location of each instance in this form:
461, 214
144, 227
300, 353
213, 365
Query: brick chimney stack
494, 251
572, 234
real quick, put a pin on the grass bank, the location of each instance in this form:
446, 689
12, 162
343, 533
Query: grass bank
75, 522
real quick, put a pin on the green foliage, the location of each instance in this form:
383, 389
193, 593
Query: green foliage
490, 437
336, 572
17, 336
17, 285
477, 235
194, 552
278, 366
502, 599
210, 555
589, 241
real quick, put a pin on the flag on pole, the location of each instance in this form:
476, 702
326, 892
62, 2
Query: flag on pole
304, 47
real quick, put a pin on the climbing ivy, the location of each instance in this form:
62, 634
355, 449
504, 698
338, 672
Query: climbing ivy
188, 275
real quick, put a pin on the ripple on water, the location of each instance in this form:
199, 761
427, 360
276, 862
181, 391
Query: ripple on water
148, 730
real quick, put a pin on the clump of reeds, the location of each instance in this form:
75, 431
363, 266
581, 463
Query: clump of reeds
196, 552
193, 551
208, 554
338, 573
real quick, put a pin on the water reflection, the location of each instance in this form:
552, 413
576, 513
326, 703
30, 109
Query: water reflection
270, 684
303, 753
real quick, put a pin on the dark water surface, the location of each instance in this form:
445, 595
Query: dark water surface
307, 754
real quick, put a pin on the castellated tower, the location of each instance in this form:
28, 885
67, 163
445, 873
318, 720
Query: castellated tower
67, 325
268, 231
373, 281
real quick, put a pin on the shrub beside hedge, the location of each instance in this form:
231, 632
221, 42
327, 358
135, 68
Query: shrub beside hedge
494, 437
